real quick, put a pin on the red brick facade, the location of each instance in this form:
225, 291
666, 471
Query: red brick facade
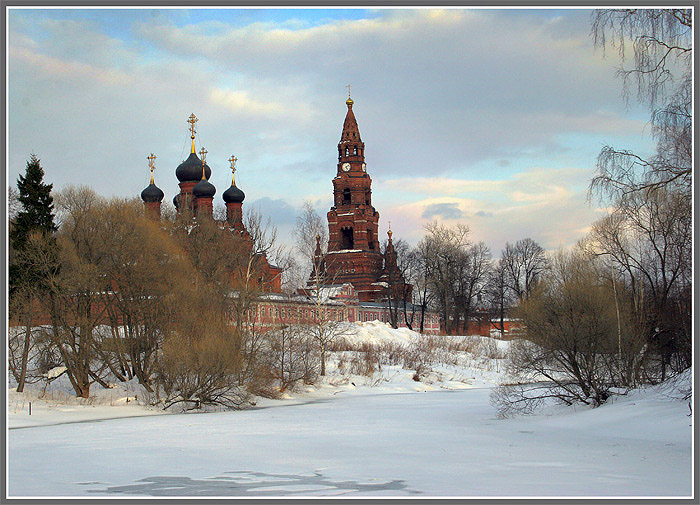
353, 223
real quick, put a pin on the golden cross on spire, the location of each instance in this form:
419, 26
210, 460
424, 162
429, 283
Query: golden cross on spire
151, 159
348, 86
389, 232
203, 155
192, 120
233, 161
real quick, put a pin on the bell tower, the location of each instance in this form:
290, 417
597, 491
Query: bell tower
353, 223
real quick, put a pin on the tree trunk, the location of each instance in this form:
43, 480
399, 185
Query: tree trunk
25, 356
323, 359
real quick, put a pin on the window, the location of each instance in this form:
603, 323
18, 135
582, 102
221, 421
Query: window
347, 195
346, 238
347, 151
354, 149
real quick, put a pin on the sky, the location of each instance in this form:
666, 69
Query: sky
488, 117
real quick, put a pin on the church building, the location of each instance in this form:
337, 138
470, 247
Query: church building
354, 253
359, 282
195, 202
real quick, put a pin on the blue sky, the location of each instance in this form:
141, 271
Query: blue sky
491, 118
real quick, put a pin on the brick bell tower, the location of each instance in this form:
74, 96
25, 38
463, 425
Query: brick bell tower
353, 223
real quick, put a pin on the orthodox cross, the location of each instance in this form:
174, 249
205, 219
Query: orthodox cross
151, 159
192, 120
203, 155
348, 86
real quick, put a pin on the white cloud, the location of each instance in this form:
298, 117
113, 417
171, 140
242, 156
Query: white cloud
438, 94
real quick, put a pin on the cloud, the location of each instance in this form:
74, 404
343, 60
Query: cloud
444, 210
242, 102
548, 205
278, 210
449, 132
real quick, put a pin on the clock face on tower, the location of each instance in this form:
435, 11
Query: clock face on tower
346, 167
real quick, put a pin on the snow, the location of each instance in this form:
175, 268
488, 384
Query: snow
351, 435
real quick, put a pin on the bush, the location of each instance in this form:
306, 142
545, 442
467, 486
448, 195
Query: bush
572, 350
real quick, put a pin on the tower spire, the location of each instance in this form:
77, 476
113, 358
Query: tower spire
192, 120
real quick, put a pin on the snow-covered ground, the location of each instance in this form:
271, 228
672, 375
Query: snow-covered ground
352, 435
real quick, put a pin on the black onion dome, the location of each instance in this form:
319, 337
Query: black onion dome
190, 170
204, 188
233, 195
152, 194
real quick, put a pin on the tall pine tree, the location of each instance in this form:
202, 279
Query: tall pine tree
37, 204
26, 279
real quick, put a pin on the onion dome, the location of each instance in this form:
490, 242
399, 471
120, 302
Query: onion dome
152, 194
176, 200
204, 189
190, 170
233, 195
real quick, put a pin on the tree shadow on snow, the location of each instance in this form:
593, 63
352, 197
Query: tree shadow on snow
244, 483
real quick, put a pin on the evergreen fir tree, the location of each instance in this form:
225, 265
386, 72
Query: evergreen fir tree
27, 280
37, 204
36, 214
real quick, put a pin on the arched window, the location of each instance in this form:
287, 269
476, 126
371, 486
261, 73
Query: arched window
346, 238
347, 151
347, 196
354, 150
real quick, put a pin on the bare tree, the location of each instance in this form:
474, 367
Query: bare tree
141, 264
571, 341
13, 203
420, 277
293, 355
327, 316
75, 289
398, 262
498, 295
471, 283
310, 230
524, 262
661, 71
648, 242
445, 253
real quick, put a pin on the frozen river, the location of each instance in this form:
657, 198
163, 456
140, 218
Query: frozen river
438, 443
